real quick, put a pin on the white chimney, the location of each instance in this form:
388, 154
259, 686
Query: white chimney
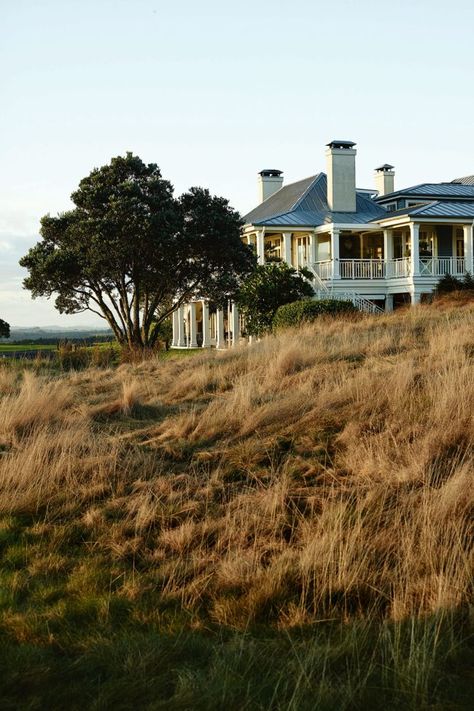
385, 179
269, 181
340, 161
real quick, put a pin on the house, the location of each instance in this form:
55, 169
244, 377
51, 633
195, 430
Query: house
380, 247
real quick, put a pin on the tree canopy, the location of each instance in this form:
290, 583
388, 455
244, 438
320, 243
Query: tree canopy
129, 251
4, 329
269, 287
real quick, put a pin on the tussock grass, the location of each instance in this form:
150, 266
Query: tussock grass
307, 498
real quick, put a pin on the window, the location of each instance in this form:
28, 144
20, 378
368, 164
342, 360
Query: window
390, 206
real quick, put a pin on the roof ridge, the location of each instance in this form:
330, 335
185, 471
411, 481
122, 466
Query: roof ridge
422, 207
310, 186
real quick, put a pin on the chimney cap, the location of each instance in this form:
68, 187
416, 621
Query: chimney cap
383, 168
270, 173
340, 144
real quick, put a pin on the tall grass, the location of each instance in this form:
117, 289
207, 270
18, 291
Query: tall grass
317, 483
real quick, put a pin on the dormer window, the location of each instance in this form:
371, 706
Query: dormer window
390, 206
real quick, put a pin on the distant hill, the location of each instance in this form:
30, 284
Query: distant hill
48, 333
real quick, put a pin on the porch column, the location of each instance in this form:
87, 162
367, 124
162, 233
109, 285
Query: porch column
389, 303
206, 326
415, 249
287, 247
387, 245
415, 297
260, 247
192, 325
335, 253
220, 339
180, 318
174, 317
313, 241
468, 248
235, 321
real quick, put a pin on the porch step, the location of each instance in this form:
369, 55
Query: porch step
359, 301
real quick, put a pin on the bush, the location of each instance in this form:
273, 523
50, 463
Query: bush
103, 357
307, 310
72, 357
269, 287
448, 284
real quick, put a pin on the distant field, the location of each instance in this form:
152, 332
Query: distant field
5, 348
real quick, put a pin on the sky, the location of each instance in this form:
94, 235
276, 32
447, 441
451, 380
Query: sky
213, 92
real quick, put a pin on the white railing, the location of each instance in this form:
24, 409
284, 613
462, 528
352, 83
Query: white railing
362, 268
439, 266
398, 268
324, 270
390, 269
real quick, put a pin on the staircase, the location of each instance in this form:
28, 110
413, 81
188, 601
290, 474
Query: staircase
323, 292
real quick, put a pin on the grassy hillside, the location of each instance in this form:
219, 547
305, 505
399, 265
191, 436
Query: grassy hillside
285, 526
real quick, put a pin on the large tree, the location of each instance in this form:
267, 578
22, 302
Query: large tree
130, 251
4, 329
270, 286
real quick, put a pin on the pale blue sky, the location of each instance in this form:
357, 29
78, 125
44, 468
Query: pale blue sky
214, 92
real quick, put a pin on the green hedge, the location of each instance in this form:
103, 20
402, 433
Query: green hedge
307, 310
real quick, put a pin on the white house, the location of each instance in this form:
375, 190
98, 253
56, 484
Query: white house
379, 247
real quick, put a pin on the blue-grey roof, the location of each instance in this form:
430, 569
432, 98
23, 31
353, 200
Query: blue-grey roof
432, 191
304, 204
436, 208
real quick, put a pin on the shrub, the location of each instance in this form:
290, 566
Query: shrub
72, 357
102, 357
448, 284
307, 310
270, 286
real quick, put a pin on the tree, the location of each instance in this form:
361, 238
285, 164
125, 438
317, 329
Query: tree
130, 252
4, 329
270, 286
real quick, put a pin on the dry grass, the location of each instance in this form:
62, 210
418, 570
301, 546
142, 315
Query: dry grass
318, 475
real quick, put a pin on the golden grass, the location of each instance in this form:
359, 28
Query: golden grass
322, 474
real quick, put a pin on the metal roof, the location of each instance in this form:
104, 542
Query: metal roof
446, 208
433, 191
437, 208
467, 180
304, 204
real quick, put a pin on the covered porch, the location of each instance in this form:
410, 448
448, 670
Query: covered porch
410, 250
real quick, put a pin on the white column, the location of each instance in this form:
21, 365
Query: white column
415, 297
235, 325
260, 247
335, 253
192, 325
174, 341
220, 340
313, 241
206, 326
287, 247
180, 318
387, 245
468, 248
415, 249
389, 303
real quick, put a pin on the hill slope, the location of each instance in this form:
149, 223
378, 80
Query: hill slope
282, 526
